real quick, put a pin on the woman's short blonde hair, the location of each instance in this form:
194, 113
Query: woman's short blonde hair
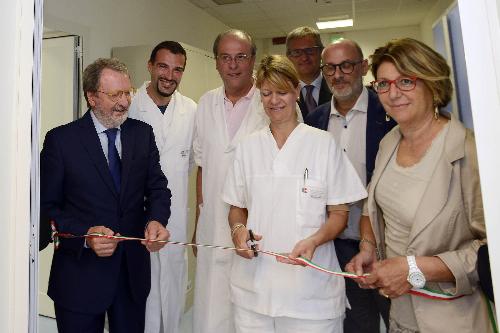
414, 58
278, 71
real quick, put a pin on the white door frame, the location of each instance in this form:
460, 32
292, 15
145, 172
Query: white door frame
480, 21
35, 166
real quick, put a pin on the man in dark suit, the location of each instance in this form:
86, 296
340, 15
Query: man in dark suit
303, 48
101, 174
358, 122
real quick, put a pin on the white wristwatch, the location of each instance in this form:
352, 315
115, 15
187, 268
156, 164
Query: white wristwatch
415, 275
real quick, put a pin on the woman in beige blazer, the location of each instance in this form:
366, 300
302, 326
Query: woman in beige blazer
423, 220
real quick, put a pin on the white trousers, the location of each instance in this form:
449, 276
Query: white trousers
247, 321
165, 303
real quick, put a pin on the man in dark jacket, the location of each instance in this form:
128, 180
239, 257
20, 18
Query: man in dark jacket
303, 48
358, 122
101, 174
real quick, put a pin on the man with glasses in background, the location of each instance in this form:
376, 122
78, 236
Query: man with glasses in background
101, 174
358, 122
159, 104
224, 117
303, 48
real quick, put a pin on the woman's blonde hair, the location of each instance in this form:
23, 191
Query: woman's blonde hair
414, 58
279, 71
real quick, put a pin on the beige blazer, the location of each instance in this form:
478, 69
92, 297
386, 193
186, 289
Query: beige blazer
449, 223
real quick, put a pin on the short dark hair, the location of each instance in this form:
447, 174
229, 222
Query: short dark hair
302, 32
237, 33
170, 45
92, 74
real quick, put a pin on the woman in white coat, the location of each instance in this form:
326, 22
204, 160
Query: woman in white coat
290, 184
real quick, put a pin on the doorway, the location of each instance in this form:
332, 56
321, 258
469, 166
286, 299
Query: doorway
60, 104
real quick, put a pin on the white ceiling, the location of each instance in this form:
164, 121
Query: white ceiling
274, 18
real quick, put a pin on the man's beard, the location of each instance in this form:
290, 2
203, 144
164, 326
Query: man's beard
349, 91
163, 93
109, 121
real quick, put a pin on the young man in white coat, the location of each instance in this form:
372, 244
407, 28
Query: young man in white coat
225, 116
171, 115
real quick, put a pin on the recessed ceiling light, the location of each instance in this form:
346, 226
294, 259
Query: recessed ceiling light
335, 24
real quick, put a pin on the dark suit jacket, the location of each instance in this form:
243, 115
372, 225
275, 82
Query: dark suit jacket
325, 95
376, 127
77, 192
484, 271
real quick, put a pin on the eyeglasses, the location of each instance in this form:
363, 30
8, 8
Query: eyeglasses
115, 96
239, 58
295, 53
403, 84
346, 67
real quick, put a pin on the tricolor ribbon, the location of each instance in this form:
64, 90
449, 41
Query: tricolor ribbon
424, 292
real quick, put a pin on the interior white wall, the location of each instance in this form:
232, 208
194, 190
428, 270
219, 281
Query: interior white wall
368, 40
16, 24
114, 23
434, 13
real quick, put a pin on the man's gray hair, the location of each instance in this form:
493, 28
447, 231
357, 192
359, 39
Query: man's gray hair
92, 74
237, 33
302, 32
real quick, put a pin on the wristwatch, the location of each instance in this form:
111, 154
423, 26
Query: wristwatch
415, 276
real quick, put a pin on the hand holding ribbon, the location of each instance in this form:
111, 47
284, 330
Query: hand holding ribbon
390, 276
103, 247
304, 248
362, 263
155, 232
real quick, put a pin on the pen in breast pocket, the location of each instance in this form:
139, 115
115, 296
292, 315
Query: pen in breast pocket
306, 175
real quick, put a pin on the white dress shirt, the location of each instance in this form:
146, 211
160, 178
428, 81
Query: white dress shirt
350, 134
103, 138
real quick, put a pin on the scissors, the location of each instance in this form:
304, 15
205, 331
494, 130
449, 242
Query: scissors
253, 246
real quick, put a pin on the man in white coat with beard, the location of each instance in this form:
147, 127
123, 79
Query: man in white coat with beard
171, 115
225, 116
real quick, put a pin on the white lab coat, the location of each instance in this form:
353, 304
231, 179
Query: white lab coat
269, 182
174, 136
214, 151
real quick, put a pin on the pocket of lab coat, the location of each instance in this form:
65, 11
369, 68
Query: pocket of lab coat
183, 161
243, 273
315, 285
311, 206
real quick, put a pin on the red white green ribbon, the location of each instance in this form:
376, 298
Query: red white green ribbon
433, 294
424, 292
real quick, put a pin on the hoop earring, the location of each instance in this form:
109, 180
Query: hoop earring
387, 117
436, 113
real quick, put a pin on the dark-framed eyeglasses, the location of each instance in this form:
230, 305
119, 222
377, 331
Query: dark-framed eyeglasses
346, 67
405, 83
116, 95
239, 58
295, 53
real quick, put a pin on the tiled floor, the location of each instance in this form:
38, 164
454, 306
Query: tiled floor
48, 325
